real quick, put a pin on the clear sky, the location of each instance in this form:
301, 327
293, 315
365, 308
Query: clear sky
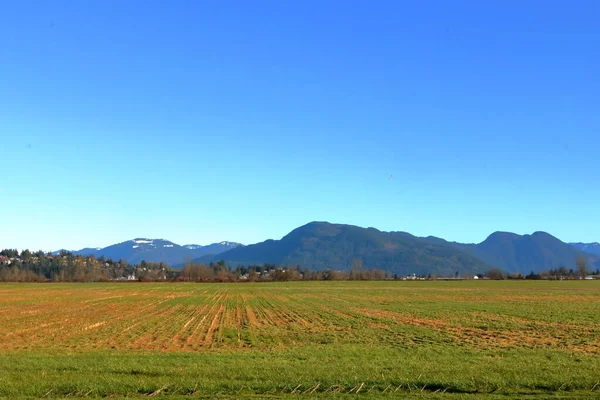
202, 121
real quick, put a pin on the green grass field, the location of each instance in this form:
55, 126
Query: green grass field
492, 339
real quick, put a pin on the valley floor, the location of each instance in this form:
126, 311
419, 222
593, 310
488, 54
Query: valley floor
492, 339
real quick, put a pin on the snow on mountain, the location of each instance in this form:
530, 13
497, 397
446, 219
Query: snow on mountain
146, 241
213, 246
592, 248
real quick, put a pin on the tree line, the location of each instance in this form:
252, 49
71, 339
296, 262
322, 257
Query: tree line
27, 266
218, 271
559, 273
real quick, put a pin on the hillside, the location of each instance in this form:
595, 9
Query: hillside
322, 245
523, 253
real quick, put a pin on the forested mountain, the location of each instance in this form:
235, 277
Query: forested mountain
523, 253
322, 245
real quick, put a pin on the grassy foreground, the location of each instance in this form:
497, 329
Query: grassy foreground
301, 339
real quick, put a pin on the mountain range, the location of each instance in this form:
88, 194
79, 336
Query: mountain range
159, 250
322, 245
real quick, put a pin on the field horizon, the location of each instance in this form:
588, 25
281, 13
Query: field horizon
347, 339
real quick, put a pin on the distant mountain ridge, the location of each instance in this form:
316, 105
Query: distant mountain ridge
523, 253
158, 250
88, 251
593, 248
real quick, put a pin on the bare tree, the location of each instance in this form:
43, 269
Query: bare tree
357, 269
496, 273
582, 266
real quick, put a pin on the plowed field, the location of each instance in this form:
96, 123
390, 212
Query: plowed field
441, 339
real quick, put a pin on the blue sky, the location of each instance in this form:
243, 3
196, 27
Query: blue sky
201, 121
